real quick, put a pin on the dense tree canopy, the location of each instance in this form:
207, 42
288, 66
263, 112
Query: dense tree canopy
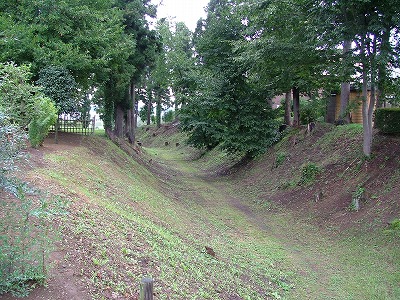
222, 76
103, 44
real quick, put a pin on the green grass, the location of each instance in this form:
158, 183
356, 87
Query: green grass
136, 224
172, 232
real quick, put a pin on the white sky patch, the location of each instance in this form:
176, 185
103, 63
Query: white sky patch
187, 11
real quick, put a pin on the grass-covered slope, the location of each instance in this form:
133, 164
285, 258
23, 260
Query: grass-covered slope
303, 190
125, 223
208, 226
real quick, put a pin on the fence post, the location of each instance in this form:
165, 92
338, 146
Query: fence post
146, 289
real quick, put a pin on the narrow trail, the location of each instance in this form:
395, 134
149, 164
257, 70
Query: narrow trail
216, 197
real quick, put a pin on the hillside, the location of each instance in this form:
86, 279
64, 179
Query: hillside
208, 226
279, 179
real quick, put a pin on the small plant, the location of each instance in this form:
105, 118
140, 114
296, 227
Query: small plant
280, 158
356, 198
394, 227
308, 173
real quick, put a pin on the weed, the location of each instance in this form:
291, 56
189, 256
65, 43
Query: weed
280, 158
356, 198
309, 173
99, 261
394, 228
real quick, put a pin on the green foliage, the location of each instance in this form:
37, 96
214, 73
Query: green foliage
59, 85
387, 120
356, 198
44, 115
168, 116
393, 228
226, 106
309, 173
312, 110
280, 158
395, 225
24, 103
16, 92
12, 140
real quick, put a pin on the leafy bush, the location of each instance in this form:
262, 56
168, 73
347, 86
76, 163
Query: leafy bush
60, 86
24, 103
44, 114
387, 120
16, 92
311, 110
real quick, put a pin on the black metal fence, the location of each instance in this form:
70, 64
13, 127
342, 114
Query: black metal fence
75, 125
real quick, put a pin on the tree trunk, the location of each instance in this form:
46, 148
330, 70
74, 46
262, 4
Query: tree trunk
119, 121
149, 107
367, 128
131, 124
331, 109
382, 74
288, 104
296, 107
367, 121
158, 111
135, 115
345, 91
344, 102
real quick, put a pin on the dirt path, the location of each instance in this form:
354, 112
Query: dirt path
63, 281
215, 194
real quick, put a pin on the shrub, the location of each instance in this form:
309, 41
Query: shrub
24, 103
311, 110
387, 120
43, 114
16, 92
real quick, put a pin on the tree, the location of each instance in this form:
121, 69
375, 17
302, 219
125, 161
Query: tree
61, 87
226, 106
103, 44
279, 49
373, 29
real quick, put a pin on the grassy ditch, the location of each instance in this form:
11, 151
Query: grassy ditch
124, 225
346, 254
205, 236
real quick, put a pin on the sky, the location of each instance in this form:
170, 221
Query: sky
187, 11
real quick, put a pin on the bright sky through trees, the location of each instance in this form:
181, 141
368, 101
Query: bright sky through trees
187, 11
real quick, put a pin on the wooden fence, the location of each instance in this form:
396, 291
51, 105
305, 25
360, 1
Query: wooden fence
74, 125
